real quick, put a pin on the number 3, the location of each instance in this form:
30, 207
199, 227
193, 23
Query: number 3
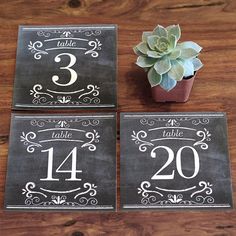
73, 73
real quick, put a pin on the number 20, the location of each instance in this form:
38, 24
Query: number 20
178, 163
72, 172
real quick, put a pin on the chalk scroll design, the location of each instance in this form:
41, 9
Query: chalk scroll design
89, 33
138, 139
94, 138
202, 121
151, 121
87, 96
39, 95
27, 139
35, 48
65, 123
144, 189
169, 122
64, 99
68, 33
141, 137
90, 96
96, 45
89, 122
89, 188
29, 192
150, 195
79, 36
58, 123
173, 122
62, 124
205, 135
205, 187
83, 196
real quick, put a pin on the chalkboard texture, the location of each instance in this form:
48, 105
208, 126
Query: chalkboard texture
62, 162
66, 67
174, 160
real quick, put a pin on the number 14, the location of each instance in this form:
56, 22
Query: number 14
73, 170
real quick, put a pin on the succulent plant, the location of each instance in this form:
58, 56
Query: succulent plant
165, 59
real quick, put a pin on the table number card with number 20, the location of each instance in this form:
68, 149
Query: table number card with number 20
174, 160
65, 67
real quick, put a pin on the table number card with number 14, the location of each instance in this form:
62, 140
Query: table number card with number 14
62, 162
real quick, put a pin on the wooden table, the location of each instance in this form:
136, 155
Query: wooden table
210, 23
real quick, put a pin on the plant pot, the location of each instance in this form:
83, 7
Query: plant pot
180, 93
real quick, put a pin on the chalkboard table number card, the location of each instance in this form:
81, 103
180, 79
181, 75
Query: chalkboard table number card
66, 67
174, 160
62, 162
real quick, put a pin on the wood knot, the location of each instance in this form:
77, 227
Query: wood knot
3, 139
69, 223
224, 226
74, 3
77, 233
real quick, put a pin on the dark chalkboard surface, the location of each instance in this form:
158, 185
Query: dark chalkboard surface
174, 160
66, 67
62, 162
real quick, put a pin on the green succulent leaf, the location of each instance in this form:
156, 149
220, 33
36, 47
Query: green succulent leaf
154, 54
152, 40
167, 83
162, 65
190, 44
177, 71
175, 54
153, 78
145, 35
142, 47
174, 30
160, 31
137, 52
145, 61
197, 64
173, 41
188, 68
188, 53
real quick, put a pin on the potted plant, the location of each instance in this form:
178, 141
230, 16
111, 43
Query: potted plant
171, 66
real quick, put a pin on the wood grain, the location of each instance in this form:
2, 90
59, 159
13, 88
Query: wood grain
210, 23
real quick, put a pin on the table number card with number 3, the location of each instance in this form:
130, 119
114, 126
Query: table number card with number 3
66, 67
